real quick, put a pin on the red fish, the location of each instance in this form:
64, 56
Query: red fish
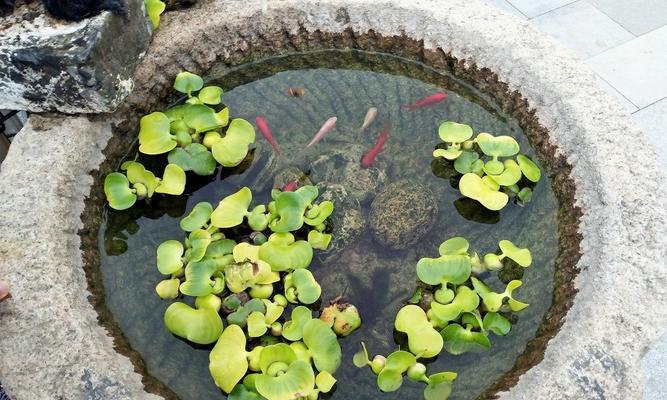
266, 132
369, 158
427, 101
289, 187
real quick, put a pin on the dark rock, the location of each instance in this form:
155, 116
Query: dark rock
70, 67
402, 213
347, 219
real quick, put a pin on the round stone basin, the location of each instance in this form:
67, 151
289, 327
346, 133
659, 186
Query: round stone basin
594, 226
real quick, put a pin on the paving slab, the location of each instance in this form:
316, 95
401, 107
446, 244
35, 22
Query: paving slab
505, 6
637, 16
583, 28
636, 68
627, 104
533, 8
654, 368
653, 121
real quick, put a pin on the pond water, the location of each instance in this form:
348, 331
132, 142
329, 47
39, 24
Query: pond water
378, 280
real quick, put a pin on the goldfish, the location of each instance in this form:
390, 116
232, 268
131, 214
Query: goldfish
326, 127
369, 158
266, 132
296, 92
4, 291
427, 101
368, 119
289, 187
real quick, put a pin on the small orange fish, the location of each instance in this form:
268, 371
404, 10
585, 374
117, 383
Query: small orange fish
427, 101
369, 118
369, 158
326, 127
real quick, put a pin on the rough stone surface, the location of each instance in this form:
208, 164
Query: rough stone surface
51, 346
348, 220
70, 67
402, 213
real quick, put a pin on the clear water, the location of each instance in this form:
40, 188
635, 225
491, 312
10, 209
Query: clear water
378, 281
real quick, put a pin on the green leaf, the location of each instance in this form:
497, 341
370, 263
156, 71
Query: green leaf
494, 167
459, 340
319, 240
193, 157
201, 118
198, 278
209, 301
342, 318
473, 187
118, 192
497, 146
240, 392
464, 162
298, 378
325, 382
168, 288
423, 340
232, 149
154, 134
466, 300
453, 269
290, 208
390, 378
496, 323
519, 255
232, 209
136, 173
293, 329
525, 195
198, 217
227, 361
452, 132
308, 290
322, 345
173, 181
319, 213
510, 175
284, 254
529, 168
245, 252
454, 246
199, 240
220, 248
187, 82
439, 386
256, 324
258, 220
210, 95
169, 255
202, 326
240, 316
154, 8
360, 358
450, 153
494, 301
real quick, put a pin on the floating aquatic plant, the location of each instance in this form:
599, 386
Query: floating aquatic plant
137, 183
489, 176
261, 354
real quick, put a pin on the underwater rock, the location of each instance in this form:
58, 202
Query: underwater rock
342, 166
347, 219
402, 213
291, 174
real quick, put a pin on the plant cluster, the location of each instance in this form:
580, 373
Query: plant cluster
196, 136
246, 267
455, 311
485, 177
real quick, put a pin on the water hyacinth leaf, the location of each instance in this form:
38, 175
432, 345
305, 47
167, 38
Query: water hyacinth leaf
240, 392
325, 382
155, 135
439, 386
466, 300
202, 326
220, 248
322, 345
240, 316
193, 157
256, 324
342, 318
319, 240
137, 173
233, 148
210, 95
187, 82
168, 288
296, 379
494, 301
515, 305
209, 301
529, 168
173, 181
118, 192
473, 187
199, 240
400, 361
452, 132
464, 162
447, 268
169, 257
293, 329
290, 208
525, 195
154, 8
389, 380
258, 220
227, 361
450, 153
459, 340
308, 290
222, 117
510, 175
454, 246
201, 118
519, 255
198, 278
497, 146
283, 253
245, 252
496, 323
422, 338
232, 209
323, 211
273, 311
198, 217
176, 113
277, 353
492, 262
493, 167
360, 358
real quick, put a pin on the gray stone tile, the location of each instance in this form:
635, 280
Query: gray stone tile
627, 104
583, 28
636, 68
653, 121
505, 6
637, 16
533, 8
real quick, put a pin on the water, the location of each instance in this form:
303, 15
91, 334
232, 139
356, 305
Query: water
378, 281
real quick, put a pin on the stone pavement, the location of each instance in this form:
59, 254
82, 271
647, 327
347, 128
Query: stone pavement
623, 41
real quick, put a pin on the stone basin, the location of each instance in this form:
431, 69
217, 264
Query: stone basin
57, 339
